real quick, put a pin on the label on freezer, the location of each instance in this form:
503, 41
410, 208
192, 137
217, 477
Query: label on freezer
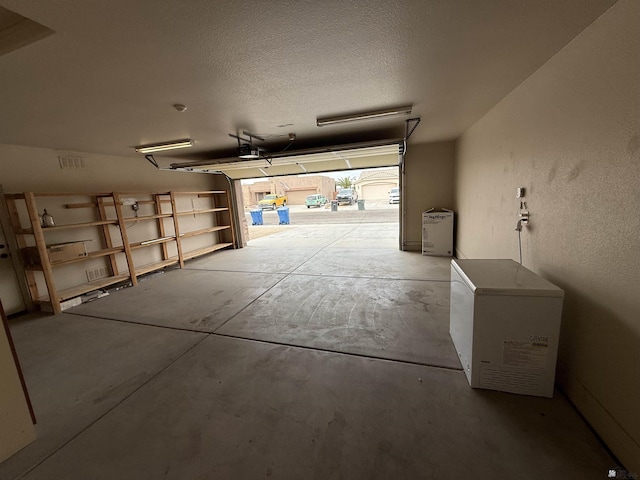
510, 379
531, 354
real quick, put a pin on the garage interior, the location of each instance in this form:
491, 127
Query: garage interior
324, 353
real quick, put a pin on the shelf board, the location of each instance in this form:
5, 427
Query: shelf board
90, 255
149, 217
204, 193
155, 241
204, 230
133, 194
81, 225
202, 251
71, 194
220, 209
68, 293
150, 267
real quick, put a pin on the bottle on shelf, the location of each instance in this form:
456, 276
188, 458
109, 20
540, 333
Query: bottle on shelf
47, 219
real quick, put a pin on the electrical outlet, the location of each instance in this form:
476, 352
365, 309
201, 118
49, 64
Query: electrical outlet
135, 207
520, 192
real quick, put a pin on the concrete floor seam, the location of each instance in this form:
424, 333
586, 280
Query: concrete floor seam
270, 342
104, 414
364, 277
133, 322
336, 352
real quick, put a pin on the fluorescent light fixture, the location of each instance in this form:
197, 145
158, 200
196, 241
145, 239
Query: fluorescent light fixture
321, 122
159, 147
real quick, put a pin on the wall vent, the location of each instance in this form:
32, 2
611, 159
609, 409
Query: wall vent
71, 162
97, 273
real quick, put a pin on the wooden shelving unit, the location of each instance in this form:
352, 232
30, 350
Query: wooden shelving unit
167, 230
223, 221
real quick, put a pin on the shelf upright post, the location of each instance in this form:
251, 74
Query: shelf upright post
232, 222
161, 229
117, 201
176, 228
16, 225
41, 245
107, 235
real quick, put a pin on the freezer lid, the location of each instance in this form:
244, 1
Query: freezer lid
503, 277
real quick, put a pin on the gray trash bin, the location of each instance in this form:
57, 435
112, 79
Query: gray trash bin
360, 204
334, 205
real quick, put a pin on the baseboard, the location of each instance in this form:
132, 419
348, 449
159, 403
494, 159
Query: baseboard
413, 246
623, 446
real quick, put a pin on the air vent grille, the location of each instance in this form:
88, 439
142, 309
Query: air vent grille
97, 273
71, 162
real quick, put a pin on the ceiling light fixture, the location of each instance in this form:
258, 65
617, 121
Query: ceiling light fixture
159, 147
406, 110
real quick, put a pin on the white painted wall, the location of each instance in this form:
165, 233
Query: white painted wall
25, 169
428, 183
570, 134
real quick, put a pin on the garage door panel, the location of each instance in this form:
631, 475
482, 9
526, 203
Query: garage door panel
328, 161
377, 161
298, 197
377, 191
242, 173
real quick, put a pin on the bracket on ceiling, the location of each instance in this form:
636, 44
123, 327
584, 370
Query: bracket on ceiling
248, 134
152, 161
408, 132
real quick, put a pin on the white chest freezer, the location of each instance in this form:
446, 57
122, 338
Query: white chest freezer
505, 325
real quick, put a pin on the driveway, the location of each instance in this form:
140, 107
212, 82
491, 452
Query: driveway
376, 211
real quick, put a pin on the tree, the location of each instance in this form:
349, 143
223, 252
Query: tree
345, 182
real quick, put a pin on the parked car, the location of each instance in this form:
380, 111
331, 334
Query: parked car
272, 201
347, 195
315, 200
394, 195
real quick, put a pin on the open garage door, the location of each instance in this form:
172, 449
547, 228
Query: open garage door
325, 159
342, 158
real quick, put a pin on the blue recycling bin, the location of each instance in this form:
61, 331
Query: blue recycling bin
283, 214
256, 217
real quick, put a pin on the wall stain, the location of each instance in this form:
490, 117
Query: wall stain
576, 171
552, 173
633, 147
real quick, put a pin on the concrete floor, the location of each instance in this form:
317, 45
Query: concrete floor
320, 352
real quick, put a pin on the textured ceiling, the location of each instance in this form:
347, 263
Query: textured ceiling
106, 80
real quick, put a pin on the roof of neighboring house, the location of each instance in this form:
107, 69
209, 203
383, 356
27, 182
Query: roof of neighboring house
377, 175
